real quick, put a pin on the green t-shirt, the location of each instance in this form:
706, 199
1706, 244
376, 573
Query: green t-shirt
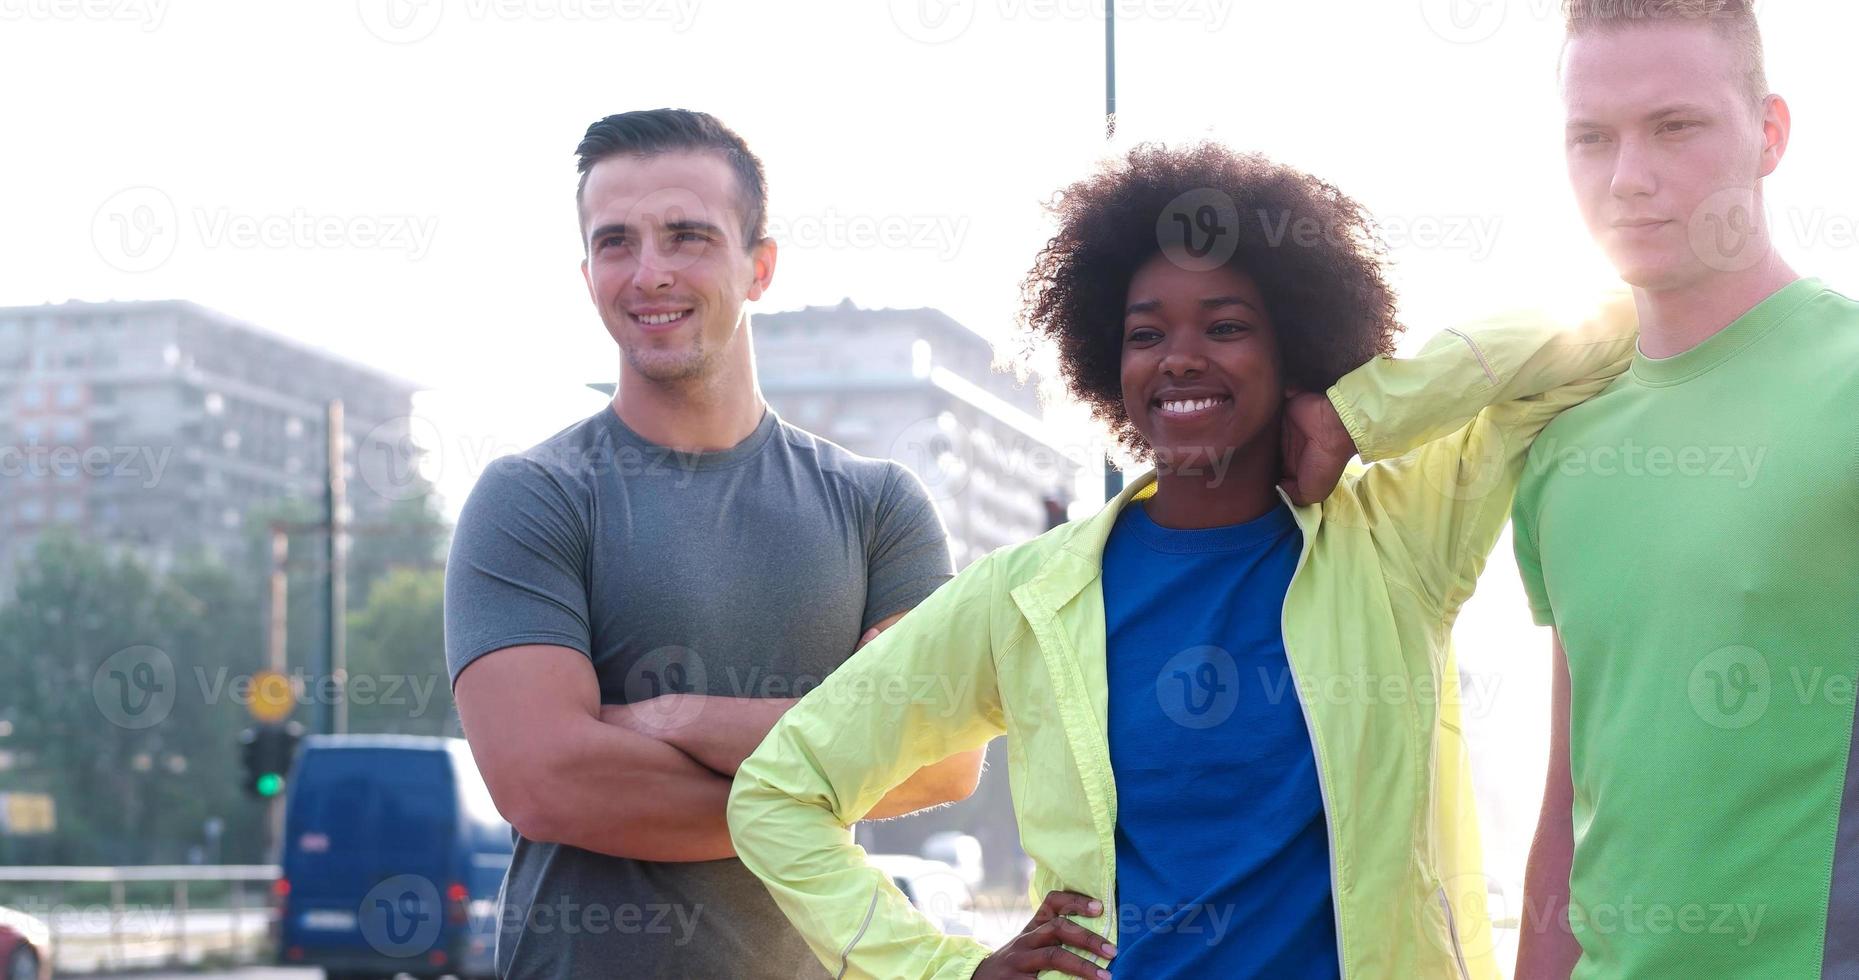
1693, 533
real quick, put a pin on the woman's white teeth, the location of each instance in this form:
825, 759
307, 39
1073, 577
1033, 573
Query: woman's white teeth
1191, 406
654, 319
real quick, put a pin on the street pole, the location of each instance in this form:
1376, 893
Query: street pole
332, 712
1113, 477
280, 586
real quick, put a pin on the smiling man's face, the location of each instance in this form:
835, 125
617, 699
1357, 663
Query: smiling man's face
666, 262
1200, 366
1665, 150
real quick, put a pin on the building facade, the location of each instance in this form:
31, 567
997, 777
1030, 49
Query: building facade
159, 427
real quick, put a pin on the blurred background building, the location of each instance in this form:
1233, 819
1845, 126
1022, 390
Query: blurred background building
159, 427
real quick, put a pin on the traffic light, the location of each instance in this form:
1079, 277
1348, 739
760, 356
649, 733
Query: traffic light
267, 752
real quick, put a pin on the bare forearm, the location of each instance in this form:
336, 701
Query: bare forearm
721, 732
1547, 950
718, 732
951, 780
621, 793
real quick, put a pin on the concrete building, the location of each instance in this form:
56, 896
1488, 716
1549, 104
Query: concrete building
918, 387
160, 426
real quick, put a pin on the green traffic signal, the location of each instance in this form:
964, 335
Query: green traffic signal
266, 753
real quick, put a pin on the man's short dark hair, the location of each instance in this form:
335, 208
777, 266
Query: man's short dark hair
649, 132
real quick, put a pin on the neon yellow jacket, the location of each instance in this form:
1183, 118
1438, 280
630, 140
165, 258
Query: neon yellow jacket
1014, 645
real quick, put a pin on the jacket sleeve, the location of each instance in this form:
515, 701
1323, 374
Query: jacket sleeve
922, 691
1448, 430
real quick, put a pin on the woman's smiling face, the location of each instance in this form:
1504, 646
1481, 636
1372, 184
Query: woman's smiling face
1200, 367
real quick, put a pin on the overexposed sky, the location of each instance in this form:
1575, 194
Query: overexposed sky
393, 179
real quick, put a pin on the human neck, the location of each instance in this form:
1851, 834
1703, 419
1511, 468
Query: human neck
704, 414
1231, 491
1675, 320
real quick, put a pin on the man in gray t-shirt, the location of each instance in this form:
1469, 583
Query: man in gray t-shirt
624, 621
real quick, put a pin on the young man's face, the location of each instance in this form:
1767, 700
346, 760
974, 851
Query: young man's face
1200, 363
1665, 148
666, 262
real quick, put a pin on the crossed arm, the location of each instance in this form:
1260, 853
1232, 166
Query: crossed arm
648, 781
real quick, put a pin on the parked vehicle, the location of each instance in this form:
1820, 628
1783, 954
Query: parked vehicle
25, 946
393, 855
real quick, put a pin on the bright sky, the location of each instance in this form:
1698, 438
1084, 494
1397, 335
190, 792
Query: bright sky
393, 179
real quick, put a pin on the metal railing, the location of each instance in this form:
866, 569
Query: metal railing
98, 936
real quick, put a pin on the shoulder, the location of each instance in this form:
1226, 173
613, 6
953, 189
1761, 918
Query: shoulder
877, 483
557, 469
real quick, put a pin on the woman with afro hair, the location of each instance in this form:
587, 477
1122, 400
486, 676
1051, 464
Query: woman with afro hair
1230, 696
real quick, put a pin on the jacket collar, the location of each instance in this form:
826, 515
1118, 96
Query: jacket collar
1078, 558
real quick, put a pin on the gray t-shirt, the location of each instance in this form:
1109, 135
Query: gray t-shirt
749, 572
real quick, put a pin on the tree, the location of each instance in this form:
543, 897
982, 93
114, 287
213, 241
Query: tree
397, 676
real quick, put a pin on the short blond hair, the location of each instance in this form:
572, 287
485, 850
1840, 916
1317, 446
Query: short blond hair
1734, 19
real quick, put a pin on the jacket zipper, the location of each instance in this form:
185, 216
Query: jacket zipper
1323, 788
1452, 930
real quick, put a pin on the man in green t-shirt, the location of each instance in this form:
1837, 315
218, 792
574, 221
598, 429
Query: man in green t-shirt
1692, 533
